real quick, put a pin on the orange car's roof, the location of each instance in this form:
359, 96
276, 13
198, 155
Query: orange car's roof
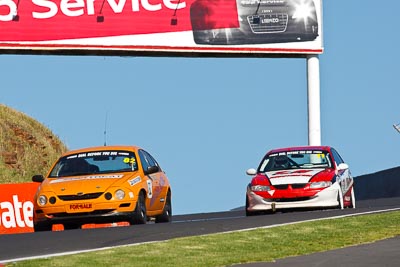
100, 148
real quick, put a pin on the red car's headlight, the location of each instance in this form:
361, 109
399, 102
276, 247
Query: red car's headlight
258, 188
322, 184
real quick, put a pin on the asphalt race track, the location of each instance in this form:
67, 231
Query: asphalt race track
33, 245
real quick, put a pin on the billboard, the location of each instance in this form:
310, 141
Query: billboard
187, 27
16, 210
16, 207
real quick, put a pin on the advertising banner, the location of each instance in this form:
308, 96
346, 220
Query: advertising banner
191, 27
16, 210
16, 207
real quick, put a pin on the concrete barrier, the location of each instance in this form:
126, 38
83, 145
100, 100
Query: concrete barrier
382, 184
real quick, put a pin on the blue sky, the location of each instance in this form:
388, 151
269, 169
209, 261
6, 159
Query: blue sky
207, 120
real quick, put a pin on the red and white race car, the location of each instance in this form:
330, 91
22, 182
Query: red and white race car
300, 177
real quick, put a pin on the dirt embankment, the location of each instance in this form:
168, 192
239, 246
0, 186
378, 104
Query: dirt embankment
26, 146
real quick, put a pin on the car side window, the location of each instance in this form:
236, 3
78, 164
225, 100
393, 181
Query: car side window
150, 159
147, 160
338, 159
143, 160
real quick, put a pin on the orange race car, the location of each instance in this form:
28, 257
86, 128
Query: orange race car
102, 185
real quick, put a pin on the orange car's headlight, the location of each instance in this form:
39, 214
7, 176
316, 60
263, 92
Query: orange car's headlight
42, 200
119, 194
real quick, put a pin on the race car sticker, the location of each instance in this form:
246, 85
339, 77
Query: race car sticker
131, 162
98, 154
285, 173
150, 189
86, 178
134, 181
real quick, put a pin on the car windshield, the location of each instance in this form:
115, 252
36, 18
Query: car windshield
95, 162
302, 159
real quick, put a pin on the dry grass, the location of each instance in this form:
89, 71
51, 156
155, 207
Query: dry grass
26, 146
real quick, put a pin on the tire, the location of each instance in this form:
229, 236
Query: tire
41, 227
139, 215
340, 199
353, 199
250, 213
166, 215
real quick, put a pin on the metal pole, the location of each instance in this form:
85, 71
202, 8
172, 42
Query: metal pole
314, 109
396, 127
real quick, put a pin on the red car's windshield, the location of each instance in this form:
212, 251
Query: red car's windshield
302, 159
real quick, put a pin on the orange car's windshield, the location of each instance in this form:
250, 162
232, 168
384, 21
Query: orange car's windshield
95, 162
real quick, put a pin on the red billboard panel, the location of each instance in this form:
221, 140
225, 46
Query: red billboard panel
187, 26
16, 207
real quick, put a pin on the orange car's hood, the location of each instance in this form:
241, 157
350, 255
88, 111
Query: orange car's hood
84, 184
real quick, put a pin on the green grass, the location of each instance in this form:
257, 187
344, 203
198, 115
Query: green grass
258, 245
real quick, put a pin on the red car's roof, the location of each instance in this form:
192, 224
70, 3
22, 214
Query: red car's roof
295, 148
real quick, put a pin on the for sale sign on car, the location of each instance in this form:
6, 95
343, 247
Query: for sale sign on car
191, 27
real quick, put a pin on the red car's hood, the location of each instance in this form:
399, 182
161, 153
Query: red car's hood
294, 176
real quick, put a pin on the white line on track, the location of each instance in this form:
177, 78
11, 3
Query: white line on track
149, 242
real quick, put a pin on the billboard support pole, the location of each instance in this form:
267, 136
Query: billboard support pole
314, 109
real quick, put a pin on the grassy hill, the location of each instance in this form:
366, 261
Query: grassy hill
26, 147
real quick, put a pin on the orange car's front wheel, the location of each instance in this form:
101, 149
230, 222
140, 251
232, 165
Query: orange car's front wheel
139, 215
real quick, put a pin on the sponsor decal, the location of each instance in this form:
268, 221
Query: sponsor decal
292, 177
299, 173
91, 177
134, 181
149, 188
97, 153
80, 206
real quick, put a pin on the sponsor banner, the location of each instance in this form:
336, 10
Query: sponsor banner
16, 210
177, 26
16, 207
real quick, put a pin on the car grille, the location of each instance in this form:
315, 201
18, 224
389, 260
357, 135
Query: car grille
292, 199
268, 23
286, 186
298, 186
281, 186
80, 197
96, 212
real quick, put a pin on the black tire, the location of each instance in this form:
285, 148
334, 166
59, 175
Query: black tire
250, 213
41, 227
340, 199
353, 199
166, 215
139, 215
